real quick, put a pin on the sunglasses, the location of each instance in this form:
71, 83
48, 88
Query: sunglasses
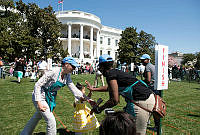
73, 66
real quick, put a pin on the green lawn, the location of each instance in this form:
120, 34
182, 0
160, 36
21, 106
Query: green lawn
183, 109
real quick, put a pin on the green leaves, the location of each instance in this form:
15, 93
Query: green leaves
133, 44
28, 31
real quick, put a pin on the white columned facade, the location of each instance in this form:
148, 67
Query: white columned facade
80, 24
91, 43
81, 42
98, 44
69, 39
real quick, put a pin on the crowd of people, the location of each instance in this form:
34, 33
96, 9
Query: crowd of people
134, 119
179, 73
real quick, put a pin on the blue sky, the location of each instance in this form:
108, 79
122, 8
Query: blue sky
175, 23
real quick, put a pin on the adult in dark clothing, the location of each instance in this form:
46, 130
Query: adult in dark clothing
19, 69
120, 82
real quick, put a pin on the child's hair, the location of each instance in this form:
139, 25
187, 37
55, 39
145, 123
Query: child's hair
79, 86
118, 123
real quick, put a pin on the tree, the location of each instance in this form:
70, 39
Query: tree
197, 65
11, 31
128, 45
133, 45
188, 57
29, 31
147, 44
44, 27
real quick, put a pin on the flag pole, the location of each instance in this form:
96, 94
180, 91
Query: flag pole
62, 5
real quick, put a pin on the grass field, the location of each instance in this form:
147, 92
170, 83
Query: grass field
16, 108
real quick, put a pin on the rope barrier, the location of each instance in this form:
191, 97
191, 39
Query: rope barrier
65, 127
195, 121
151, 132
182, 110
65, 100
169, 125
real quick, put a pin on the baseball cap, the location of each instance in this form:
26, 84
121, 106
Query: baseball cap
145, 56
105, 58
70, 60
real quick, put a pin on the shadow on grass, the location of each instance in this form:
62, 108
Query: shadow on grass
193, 115
197, 88
60, 131
15, 81
40, 133
63, 131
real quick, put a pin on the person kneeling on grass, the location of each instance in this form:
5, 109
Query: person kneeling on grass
44, 95
82, 120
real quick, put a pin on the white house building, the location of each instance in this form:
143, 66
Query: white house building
85, 37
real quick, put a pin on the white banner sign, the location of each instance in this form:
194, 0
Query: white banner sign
161, 67
132, 66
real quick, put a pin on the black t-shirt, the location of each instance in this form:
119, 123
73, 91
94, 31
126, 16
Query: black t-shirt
19, 66
124, 79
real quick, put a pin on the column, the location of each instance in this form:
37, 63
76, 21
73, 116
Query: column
81, 42
69, 39
91, 43
98, 44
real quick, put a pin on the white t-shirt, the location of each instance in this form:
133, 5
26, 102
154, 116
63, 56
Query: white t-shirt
42, 65
141, 68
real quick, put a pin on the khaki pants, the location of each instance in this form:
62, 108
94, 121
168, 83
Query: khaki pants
143, 116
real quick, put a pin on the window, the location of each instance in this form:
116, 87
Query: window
101, 40
101, 52
108, 41
108, 52
116, 42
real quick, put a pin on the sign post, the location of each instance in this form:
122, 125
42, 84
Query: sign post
161, 70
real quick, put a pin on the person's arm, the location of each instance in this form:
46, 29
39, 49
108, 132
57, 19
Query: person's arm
100, 89
149, 77
114, 100
75, 91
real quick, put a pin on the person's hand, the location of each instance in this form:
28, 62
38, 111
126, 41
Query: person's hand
41, 107
90, 94
82, 99
89, 86
92, 102
96, 110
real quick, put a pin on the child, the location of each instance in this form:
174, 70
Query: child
11, 70
33, 75
82, 120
